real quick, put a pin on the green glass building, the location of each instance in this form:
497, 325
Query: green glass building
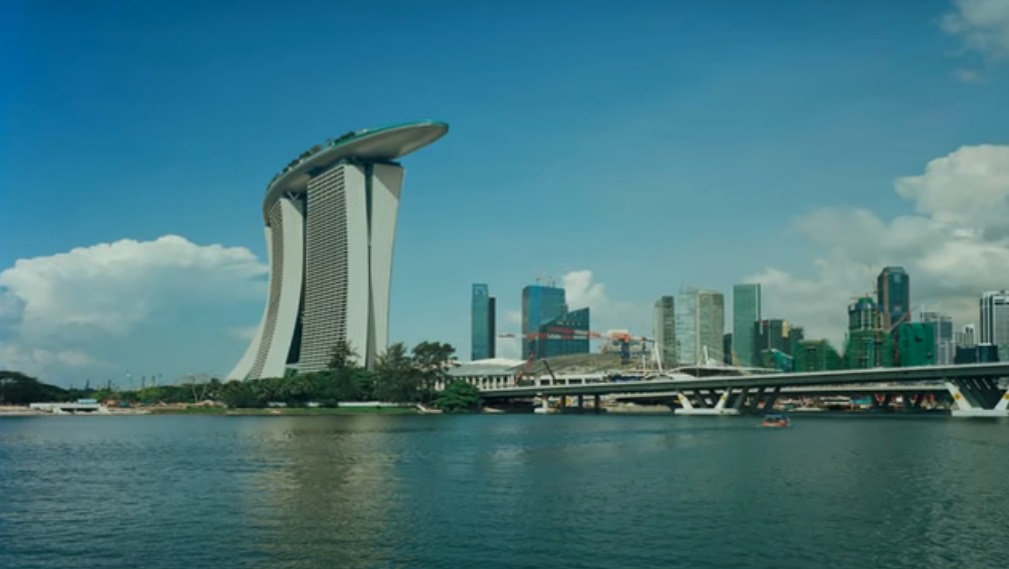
745, 312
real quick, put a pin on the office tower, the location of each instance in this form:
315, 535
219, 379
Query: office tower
745, 311
942, 336
700, 326
967, 337
995, 322
548, 327
774, 335
482, 322
893, 296
665, 331
330, 220
727, 348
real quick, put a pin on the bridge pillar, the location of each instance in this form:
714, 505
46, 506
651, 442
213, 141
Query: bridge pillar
581, 402
772, 398
740, 399
597, 407
978, 398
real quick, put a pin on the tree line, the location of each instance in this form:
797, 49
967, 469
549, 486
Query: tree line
399, 375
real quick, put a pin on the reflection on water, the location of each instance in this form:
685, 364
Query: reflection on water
501, 491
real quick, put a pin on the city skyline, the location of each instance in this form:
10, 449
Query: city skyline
144, 260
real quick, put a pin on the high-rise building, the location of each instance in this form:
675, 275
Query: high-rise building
967, 337
893, 296
665, 330
727, 348
868, 345
745, 311
548, 327
942, 335
330, 225
774, 335
482, 321
816, 355
995, 322
700, 326
916, 344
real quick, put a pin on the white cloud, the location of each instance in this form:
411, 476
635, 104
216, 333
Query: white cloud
52, 307
513, 317
983, 25
246, 333
582, 291
954, 247
969, 75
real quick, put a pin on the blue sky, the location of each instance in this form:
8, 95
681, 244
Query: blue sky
655, 144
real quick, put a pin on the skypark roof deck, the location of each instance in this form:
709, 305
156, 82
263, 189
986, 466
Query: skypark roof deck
379, 144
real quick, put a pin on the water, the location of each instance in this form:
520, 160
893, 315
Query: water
502, 491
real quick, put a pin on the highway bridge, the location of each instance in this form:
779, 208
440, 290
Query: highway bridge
977, 390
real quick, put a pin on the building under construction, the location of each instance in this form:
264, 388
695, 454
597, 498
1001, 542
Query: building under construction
816, 355
868, 344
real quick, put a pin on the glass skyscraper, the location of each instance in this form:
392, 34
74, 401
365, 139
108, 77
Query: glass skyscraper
548, 328
665, 330
700, 326
995, 322
483, 323
745, 312
893, 296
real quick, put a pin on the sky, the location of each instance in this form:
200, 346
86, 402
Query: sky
624, 150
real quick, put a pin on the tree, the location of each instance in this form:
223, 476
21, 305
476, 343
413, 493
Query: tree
458, 397
17, 388
432, 360
395, 377
342, 356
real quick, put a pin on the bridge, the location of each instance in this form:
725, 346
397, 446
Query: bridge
975, 388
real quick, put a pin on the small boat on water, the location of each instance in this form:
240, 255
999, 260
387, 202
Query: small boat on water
775, 421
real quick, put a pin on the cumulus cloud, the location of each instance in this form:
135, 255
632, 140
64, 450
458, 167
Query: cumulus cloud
955, 246
52, 307
982, 25
581, 290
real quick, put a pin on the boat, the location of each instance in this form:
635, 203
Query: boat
775, 421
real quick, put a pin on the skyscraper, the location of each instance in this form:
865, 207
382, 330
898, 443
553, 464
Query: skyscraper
700, 326
893, 296
330, 226
483, 323
745, 311
995, 322
967, 337
942, 336
665, 330
548, 327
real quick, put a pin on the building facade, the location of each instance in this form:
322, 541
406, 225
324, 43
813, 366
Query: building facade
942, 334
966, 337
916, 344
893, 296
745, 311
665, 330
482, 323
330, 219
868, 345
816, 355
700, 326
994, 312
548, 328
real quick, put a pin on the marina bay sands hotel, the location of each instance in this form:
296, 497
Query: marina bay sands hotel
330, 226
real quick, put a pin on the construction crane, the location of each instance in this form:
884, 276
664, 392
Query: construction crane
560, 333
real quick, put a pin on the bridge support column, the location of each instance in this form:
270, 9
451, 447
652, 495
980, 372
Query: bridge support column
772, 398
597, 407
983, 399
581, 402
740, 399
